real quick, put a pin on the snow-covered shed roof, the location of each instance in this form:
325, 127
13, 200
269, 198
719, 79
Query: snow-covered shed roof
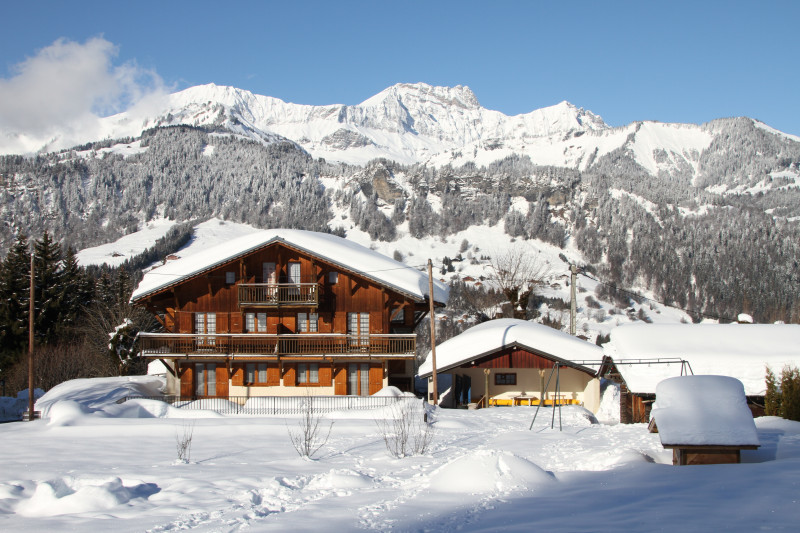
499, 334
335, 250
741, 351
703, 411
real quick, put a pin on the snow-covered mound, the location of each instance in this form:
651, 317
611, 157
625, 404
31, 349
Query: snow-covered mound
703, 410
89, 394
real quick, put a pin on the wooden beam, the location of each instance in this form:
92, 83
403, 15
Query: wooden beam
169, 368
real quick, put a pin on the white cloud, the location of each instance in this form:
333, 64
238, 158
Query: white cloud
61, 92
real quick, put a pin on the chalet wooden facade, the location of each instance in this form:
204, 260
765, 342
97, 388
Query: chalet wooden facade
285, 313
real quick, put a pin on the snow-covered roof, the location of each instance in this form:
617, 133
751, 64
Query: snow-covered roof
741, 351
335, 250
703, 411
495, 335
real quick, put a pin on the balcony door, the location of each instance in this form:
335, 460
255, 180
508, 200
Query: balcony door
270, 276
205, 323
358, 329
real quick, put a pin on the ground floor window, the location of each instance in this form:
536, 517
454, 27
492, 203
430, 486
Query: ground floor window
508, 378
255, 374
308, 374
205, 379
358, 379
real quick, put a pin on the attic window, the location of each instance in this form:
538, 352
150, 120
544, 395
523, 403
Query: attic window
230, 278
333, 278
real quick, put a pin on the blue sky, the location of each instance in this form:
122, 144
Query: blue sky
668, 61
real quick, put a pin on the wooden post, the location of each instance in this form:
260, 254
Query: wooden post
433, 333
31, 309
573, 278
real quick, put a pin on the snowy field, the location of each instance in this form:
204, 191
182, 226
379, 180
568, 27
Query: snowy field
101, 466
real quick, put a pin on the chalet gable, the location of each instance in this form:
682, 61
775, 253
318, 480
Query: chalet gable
338, 253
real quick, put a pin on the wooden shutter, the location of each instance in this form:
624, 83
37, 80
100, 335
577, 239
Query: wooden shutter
273, 375
235, 324
340, 380
237, 376
289, 375
187, 380
375, 378
324, 375
222, 380
185, 322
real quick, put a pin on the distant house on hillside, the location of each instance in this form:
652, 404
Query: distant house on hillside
285, 312
516, 358
645, 354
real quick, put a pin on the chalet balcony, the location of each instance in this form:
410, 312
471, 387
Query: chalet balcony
304, 344
278, 294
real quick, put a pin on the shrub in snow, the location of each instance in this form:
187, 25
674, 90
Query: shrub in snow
408, 428
308, 437
183, 441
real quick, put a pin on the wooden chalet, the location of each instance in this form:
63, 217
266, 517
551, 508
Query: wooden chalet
285, 313
516, 362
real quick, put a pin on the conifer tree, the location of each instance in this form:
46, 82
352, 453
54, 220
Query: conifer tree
14, 301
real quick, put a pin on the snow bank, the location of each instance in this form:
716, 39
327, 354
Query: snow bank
341, 252
96, 393
497, 334
71, 496
703, 410
741, 351
488, 471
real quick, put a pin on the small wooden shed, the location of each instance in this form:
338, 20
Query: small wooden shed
703, 419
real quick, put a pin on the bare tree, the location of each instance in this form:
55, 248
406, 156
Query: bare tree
308, 438
518, 273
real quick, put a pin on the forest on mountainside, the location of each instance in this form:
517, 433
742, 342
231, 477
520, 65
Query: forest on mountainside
714, 254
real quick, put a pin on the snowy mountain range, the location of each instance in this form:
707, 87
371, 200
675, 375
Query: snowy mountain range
661, 207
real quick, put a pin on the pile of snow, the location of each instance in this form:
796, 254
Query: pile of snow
69, 495
703, 410
488, 471
87, 395
496, 335
741, 351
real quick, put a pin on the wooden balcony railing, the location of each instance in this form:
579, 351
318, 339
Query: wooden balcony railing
278, 294
161, 344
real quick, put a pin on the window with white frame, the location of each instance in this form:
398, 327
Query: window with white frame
308, 373
307, 322
255, 322
255, 373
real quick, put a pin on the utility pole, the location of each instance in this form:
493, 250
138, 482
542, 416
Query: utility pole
433, 333
30, 344
572, 306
